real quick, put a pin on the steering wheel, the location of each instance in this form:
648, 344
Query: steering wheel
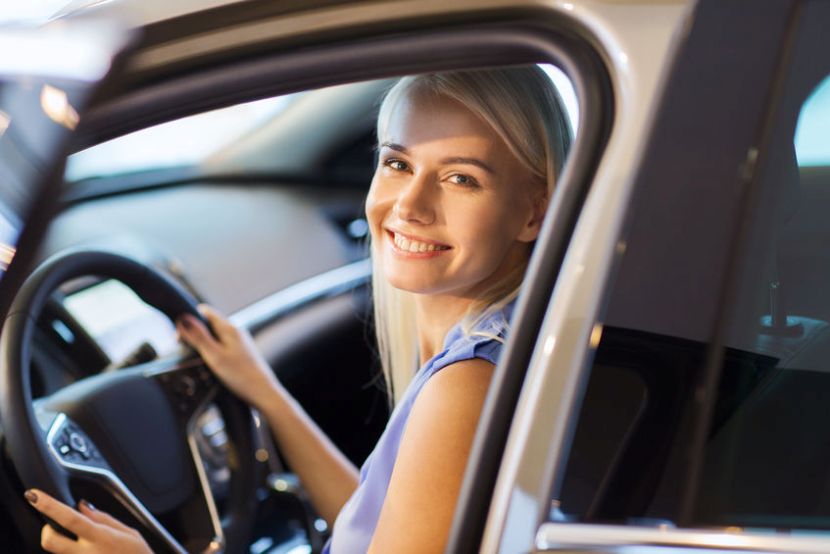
132, 430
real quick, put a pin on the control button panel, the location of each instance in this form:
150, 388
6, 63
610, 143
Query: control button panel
74, 446
188, 387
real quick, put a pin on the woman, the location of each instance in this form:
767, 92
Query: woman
467, 164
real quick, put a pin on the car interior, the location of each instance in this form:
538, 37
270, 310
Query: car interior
264, 212
256, 209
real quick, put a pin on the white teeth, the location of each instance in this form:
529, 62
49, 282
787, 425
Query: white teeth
409, 245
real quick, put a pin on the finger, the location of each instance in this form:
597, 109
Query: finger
52, 541
63, 515
195, 334
217, 320
102, 518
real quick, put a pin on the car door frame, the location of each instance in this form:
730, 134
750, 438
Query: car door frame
502, 34
758, 38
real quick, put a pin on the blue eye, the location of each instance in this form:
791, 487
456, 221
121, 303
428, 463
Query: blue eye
395, 164
463, 180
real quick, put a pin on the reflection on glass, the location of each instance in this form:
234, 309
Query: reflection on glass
596, 336
6, 255
56, 105
5, 120
811, 146
566, 92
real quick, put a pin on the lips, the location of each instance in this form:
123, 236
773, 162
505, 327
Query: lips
407, 243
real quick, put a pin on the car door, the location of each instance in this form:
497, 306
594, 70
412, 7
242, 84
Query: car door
689, 415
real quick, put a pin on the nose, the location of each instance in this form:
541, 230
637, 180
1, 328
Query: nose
415, 202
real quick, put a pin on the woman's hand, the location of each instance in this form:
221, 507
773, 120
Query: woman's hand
231, 355
97, 531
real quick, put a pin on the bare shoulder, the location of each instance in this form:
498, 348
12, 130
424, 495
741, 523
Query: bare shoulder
444, 417
460, 384
429, 468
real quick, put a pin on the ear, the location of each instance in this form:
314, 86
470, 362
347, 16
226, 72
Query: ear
537, 209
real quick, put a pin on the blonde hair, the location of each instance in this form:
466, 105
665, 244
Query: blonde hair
523, 107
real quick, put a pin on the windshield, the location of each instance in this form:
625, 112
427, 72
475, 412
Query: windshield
182, 142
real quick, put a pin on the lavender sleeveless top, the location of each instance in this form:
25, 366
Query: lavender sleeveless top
356, 522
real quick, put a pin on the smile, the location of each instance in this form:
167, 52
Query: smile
414, 246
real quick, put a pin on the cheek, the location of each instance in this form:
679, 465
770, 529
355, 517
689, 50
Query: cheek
487, 234
376, 209
372, 201
480, 225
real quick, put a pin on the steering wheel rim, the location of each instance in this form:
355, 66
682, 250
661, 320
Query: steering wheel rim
37, 462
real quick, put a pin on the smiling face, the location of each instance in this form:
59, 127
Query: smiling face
450, 209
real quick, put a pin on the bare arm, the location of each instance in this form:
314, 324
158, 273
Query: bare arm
420, 502
327, 475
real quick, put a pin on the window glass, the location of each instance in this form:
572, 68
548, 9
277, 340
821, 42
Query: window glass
566, 92
723, 424
177, 143
811, 144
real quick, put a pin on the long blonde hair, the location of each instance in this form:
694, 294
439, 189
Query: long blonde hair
523, 107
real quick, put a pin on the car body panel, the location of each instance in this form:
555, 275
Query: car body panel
573, 329
639, 54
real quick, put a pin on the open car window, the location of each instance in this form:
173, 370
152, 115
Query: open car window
267, 226
278, 135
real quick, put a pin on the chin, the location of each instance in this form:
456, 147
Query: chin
408, 285
413, 283
430, 283
425, 287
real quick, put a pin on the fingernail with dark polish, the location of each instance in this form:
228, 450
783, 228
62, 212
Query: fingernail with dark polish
186, 322
88, 505
31, 496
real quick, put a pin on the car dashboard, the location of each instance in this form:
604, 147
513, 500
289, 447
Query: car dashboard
239, 260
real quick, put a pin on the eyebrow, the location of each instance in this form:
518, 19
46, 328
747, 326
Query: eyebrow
451, 160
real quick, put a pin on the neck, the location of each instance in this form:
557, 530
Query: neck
435, 316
